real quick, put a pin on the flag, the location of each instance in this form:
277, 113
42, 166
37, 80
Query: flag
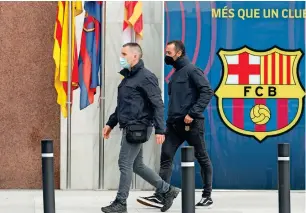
133, 22
60, 52
90, 53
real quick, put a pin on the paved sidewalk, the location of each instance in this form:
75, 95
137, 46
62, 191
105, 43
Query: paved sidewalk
26, 201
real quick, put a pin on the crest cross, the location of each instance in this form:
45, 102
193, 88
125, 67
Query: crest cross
243, 69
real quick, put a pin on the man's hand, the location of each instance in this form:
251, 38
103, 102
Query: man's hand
160, 138
188, 119
106, 131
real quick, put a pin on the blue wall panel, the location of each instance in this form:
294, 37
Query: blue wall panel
239, 162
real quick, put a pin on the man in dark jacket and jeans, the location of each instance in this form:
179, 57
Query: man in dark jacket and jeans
189, 94
139, 107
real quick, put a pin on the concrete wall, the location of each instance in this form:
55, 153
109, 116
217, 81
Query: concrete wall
85, 123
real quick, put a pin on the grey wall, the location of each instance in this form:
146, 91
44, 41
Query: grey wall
152, 45
85, 123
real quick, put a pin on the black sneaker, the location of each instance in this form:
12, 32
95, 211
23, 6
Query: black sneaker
115, 207
153, 201
205, 202
169, 197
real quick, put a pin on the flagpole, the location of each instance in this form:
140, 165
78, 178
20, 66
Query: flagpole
133, 39
102, 98
68, 176
133, 36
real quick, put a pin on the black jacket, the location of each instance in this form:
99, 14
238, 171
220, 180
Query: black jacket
139, 100
189, 91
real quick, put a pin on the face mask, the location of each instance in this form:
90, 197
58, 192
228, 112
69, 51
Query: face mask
169, 60
124, 63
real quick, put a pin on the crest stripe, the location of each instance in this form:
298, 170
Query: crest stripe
269, 64
228, 108
281, 69
238, 112
293, 104
282, 104
292, 58
248, 123
271, 103
266, 69
282, 112
262, 70
260, 128
288, 69
273, 68
276, 64
285, 59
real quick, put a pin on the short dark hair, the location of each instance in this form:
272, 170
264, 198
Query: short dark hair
179, 46
134, 45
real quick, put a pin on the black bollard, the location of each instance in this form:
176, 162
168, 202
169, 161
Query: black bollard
48, 176
188, 181
284, 178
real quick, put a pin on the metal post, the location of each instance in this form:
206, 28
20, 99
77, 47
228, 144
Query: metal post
48, 176
102, 98
68, 175
133, 36
133, 39
188, 181
284, 178
162, 81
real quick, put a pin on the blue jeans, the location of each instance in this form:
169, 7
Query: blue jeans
131, 160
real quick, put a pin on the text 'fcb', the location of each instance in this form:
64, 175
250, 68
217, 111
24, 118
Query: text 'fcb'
268, 91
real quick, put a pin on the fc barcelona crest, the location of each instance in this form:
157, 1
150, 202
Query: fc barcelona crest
260, 94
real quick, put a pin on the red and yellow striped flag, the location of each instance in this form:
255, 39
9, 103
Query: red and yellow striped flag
132, 21
60, 52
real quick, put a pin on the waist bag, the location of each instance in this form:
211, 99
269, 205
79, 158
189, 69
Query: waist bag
137, 133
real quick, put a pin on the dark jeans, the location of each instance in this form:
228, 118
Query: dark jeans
175, 136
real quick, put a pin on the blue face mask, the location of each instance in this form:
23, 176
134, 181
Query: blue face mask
124, 63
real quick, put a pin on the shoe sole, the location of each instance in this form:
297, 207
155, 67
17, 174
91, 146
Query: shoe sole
113, 211
176, 192
148, 203
205, 207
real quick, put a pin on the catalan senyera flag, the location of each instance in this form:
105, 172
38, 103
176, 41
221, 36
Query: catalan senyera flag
90, 53
133, 21
60, 52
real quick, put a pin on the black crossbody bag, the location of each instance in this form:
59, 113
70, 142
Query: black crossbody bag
137, 133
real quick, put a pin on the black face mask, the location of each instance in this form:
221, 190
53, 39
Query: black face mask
169, 60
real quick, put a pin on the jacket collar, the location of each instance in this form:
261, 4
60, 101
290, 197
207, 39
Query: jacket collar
126, 72
181, 62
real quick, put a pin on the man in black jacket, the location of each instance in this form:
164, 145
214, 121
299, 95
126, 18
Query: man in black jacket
189, 94
139, 107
